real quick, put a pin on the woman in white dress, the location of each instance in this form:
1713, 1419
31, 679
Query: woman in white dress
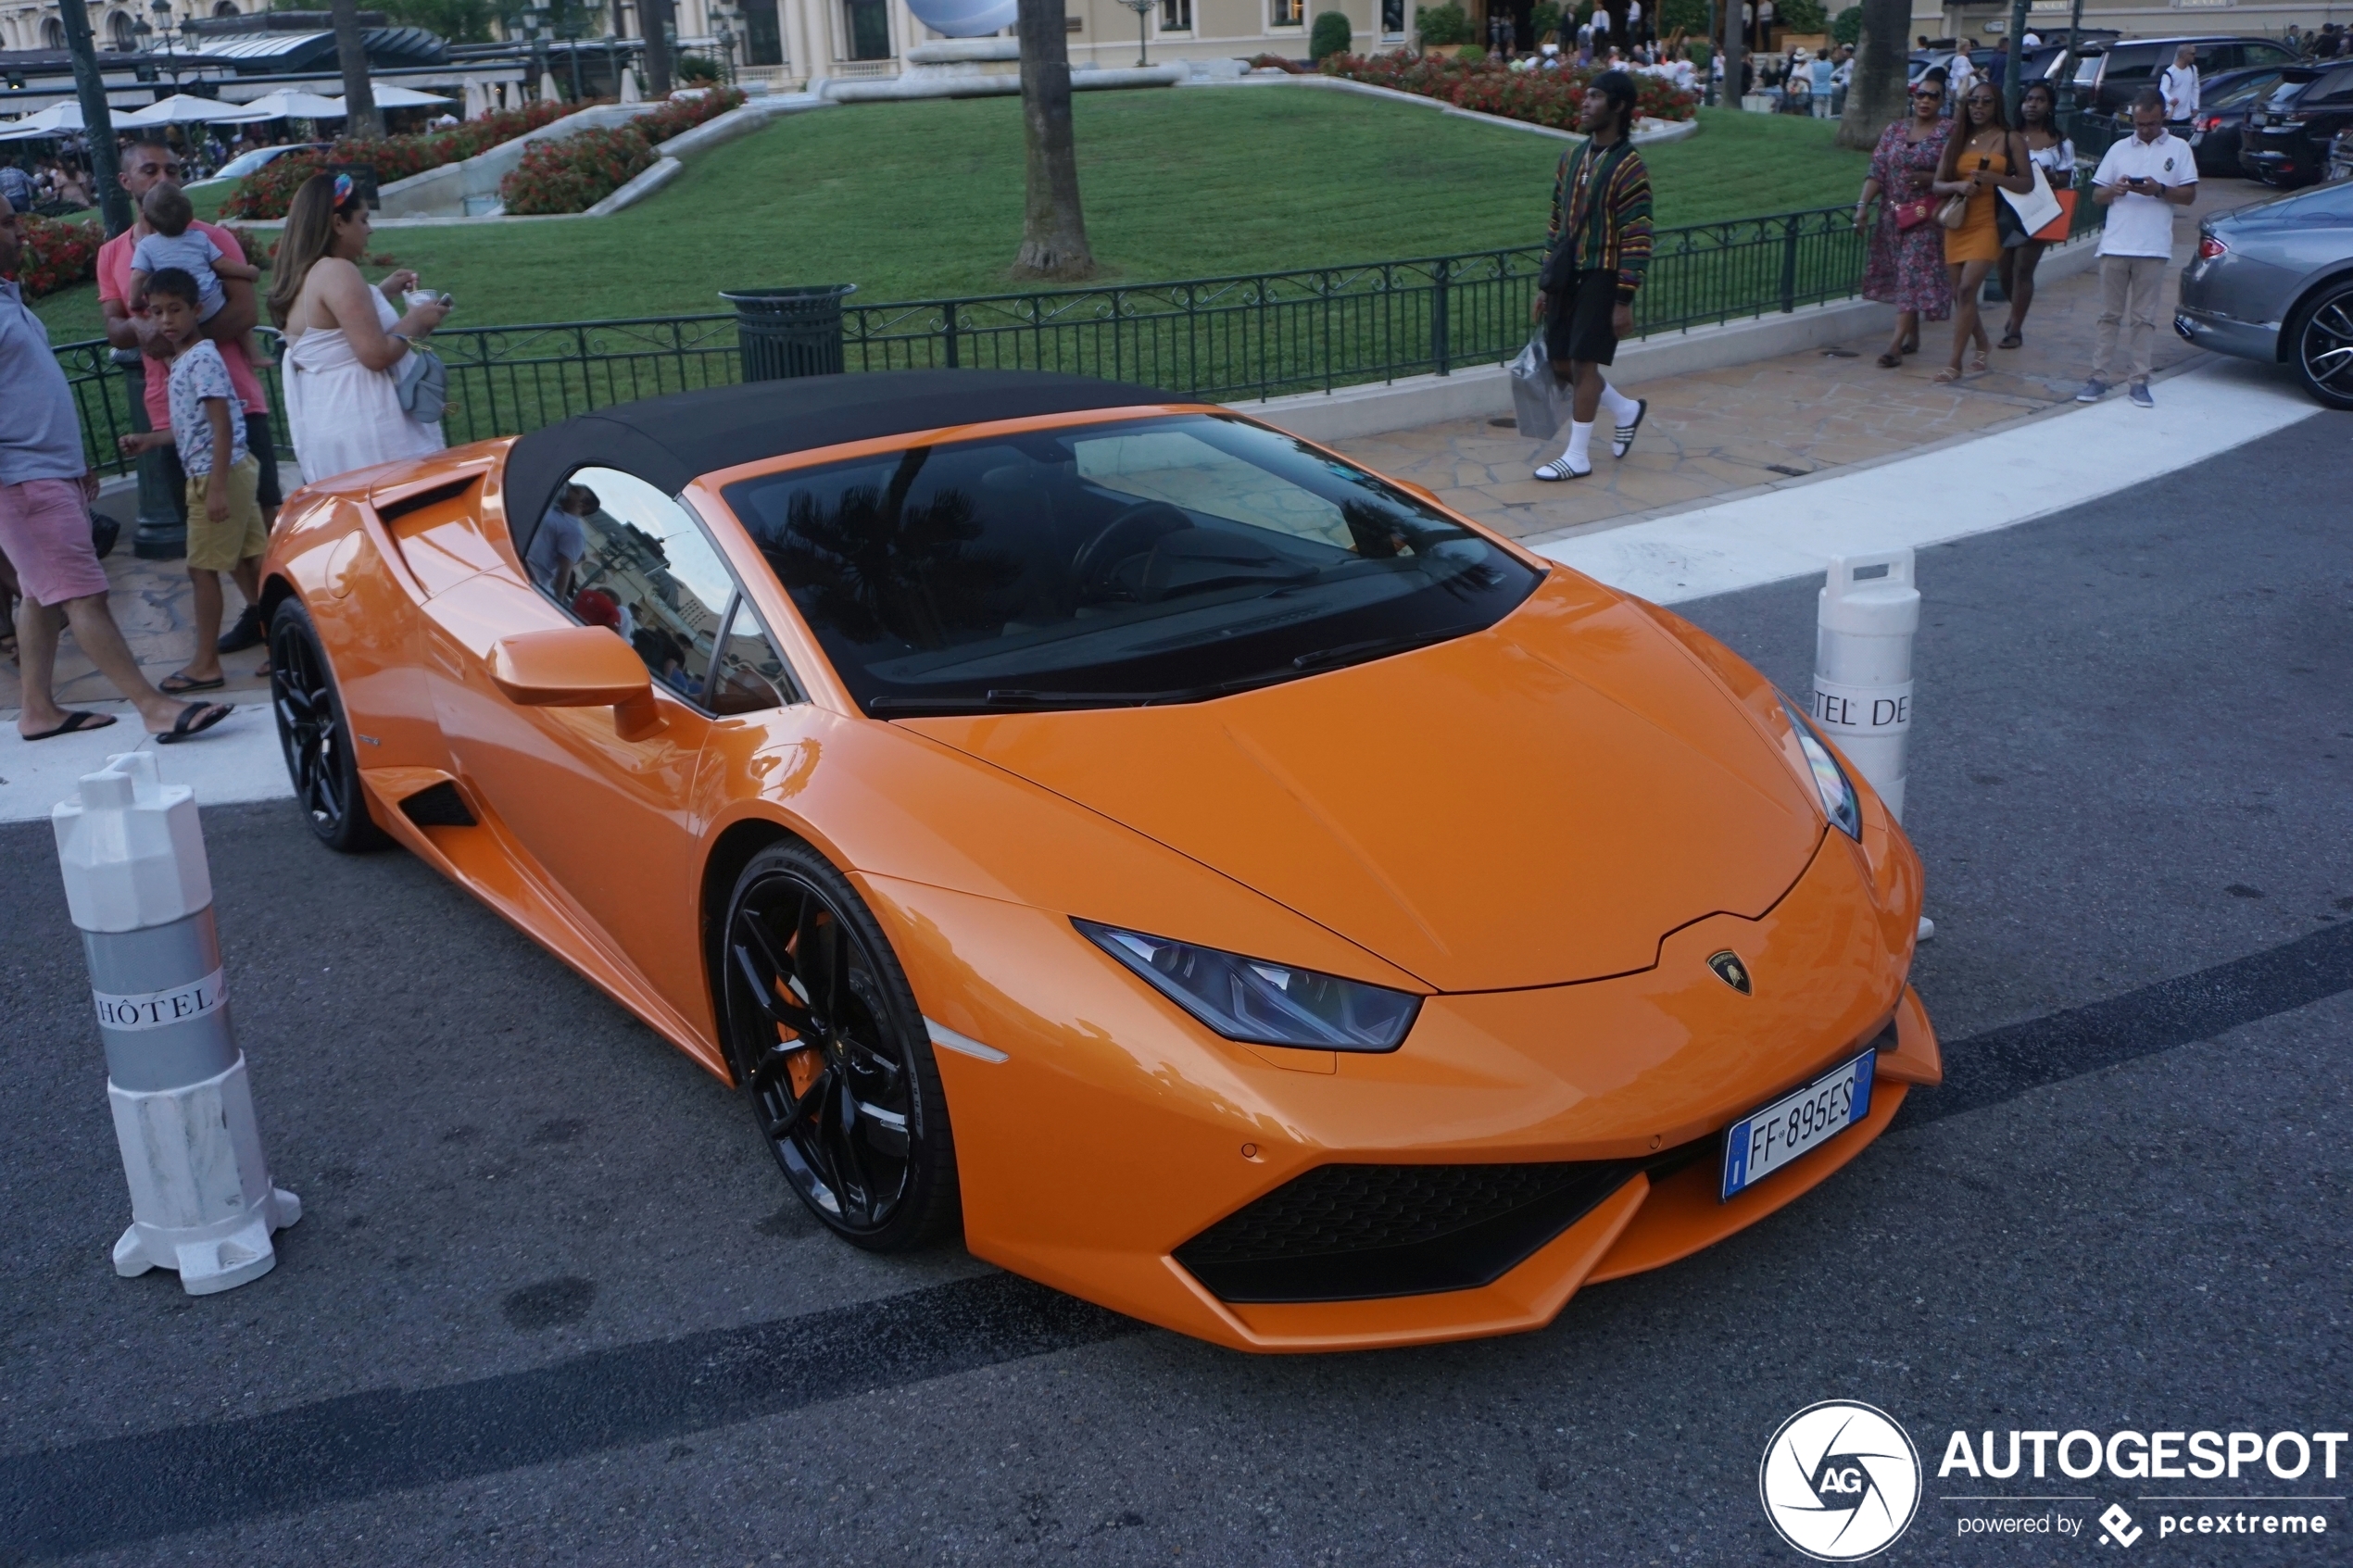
345, 340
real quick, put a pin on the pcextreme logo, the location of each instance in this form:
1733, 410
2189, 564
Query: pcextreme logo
1840, 1481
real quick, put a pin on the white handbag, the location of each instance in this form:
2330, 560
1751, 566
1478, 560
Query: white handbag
2037, 209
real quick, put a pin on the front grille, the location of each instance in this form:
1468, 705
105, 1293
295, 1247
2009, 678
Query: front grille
1353, 1232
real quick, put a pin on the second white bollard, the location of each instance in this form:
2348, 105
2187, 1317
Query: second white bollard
139, 888
1869, 612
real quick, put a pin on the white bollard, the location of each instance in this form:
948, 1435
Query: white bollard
1863, 665
140, 890
1868, 613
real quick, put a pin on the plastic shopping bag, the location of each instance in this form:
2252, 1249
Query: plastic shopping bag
1539, 399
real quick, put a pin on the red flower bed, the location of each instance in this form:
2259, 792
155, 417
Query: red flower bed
269, 191
56, 254
573, 173
1541, 97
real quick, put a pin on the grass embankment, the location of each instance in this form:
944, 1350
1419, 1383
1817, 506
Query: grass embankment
923, 200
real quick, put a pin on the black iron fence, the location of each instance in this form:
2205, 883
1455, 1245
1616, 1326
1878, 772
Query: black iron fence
1220, 339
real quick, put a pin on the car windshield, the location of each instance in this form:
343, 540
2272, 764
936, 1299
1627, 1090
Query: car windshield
245, 163
1164, 560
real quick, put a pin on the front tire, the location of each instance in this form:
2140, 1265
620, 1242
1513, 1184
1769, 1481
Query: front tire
2320, 344
826, 1039
316, 735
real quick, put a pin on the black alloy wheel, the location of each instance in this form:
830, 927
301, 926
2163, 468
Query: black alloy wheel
2320, 344
316, 736
831, 1050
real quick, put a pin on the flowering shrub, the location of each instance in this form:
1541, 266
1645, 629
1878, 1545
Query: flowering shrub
573, 173
269, 191
681, 115
56, 254
1541, 97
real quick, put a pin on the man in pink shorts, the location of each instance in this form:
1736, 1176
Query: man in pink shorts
46, 488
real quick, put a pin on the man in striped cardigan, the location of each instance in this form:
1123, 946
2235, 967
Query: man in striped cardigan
1595, 252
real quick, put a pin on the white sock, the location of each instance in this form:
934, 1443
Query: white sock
1620, 407
1579, 438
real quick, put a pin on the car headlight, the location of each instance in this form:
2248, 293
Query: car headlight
1839, 802
1265, 1004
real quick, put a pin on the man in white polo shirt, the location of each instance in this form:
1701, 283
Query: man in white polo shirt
2140, 181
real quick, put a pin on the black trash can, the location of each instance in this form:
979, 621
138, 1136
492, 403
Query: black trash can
789, 331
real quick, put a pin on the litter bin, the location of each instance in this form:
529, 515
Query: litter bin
789, 331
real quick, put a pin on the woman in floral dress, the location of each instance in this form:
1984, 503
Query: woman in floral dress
1907, 266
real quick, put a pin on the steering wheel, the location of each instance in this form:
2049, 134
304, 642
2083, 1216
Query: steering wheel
1132, 531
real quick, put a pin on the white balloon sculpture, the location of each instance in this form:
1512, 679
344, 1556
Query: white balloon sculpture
964, 19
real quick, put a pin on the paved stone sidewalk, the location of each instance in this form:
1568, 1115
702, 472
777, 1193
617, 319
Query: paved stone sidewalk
1717, 432
1708, 435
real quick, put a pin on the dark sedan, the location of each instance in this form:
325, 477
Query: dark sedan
2223, 106
2287, 136
2274, 282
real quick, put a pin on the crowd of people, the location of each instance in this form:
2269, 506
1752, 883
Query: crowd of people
179, 292
56, 180
1941, 209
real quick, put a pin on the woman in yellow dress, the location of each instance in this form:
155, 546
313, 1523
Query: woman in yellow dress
1983, 158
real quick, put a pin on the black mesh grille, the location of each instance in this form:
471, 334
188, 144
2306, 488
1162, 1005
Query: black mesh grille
438, 807
1342, 1233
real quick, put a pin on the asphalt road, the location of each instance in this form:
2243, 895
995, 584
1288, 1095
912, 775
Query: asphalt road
551, 1302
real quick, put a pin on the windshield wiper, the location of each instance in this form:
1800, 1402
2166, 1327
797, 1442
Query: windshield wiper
1377, 648
1002, 700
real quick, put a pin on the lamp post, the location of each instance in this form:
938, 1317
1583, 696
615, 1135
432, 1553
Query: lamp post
1143, 9
724, 32
162, 8
534, 18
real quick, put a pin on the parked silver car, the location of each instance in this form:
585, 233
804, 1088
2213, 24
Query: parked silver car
2274, 281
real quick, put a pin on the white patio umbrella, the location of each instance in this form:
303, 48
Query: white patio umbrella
291, 103
57, 118
404, 98
548, 94
183, 108
629, 93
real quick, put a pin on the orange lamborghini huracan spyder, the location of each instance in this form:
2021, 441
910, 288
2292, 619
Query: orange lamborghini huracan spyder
1226, 884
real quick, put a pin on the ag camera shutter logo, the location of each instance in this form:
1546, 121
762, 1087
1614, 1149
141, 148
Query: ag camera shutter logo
1840, 1481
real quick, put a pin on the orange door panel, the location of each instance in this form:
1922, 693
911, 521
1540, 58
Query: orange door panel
609, 822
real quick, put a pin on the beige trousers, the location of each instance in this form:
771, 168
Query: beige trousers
2129, 289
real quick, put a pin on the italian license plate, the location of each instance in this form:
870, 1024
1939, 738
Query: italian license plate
1768, 1139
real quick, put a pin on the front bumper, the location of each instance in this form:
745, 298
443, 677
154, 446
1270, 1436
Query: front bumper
1116, 1130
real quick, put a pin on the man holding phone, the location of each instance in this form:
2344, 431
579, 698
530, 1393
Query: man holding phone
2140, 181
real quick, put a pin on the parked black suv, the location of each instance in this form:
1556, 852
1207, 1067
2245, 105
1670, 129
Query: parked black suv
2287, 136
2106, 81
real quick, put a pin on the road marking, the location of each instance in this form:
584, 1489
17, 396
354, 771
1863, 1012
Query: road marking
238, 759
1969, 487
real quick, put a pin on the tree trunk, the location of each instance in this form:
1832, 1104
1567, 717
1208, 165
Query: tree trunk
654, 17
358, 97
1053, 229
1875, 94
97, 119
1734, 45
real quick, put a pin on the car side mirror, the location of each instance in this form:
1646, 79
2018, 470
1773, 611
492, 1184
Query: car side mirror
1424, 491
577, 667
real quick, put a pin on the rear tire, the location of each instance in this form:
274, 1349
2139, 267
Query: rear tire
2320, 344
826, 1040
316, 736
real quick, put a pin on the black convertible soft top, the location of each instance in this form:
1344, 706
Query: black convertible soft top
668, 440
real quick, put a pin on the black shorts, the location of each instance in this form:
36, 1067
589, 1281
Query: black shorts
1577, 324
265, 452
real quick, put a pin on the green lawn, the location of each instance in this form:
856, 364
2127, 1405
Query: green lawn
924, 199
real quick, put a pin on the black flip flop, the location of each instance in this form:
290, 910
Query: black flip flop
195, 720
180, 686
75, 724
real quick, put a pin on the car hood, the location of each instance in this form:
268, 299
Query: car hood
1532, 804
